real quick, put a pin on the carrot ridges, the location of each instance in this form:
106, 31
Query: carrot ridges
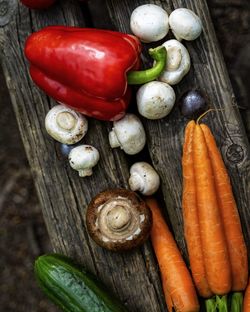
214, 246
177, 283
190, 216
229, 213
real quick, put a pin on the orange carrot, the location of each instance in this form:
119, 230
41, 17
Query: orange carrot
213, 240
177, 283
230, 216
190, 216
246, 301
168, 298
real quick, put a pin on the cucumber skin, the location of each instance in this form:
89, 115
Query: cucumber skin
71, 288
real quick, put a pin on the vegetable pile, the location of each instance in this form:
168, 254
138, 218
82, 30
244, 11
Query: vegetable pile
216, 247
89, 72
85, 71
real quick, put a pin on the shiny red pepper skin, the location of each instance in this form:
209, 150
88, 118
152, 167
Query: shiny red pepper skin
38, 4
84, 68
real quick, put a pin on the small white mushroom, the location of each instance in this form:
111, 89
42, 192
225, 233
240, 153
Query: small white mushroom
144, 178
155, 99
185, 24
128, 134
149, 22
65, 125
83, 158
178, 62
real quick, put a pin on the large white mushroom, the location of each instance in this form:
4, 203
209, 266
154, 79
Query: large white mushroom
83, 158
128, 134
118, 219
149, 22
178, 62
155, 99
185, 24
65, 125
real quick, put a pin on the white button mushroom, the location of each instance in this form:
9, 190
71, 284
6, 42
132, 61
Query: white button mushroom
83, 158
149, 22
178, 62
65, 125
144, 178
155, 99
128, 134
185, 24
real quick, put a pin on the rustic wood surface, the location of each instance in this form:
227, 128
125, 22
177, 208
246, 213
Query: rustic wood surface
64, 196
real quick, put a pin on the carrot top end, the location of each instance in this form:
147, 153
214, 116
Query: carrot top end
221, 303
236, 302
211, 305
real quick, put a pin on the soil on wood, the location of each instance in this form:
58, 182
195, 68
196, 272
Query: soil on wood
22, 231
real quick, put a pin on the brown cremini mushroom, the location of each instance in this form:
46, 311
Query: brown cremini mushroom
118, 219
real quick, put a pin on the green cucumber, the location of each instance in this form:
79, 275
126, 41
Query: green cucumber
71, 288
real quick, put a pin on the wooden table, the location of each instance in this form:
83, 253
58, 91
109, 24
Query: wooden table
134, 276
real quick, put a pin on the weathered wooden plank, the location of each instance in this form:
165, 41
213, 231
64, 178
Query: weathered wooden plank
233, 32
64, 196
165, 137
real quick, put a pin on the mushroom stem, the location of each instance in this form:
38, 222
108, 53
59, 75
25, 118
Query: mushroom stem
65, 125
85, 173
113, 140
118, 218
159, 54
144, 178
66, 120
136, 182
174, 61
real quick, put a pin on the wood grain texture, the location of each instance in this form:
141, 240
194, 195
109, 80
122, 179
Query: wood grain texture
64, 196
208, 73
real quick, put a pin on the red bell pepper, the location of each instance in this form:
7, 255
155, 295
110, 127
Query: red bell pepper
86, 68
38, 4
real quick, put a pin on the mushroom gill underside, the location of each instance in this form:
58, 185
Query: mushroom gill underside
119, 223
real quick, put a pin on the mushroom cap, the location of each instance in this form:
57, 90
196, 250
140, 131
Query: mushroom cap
144, 178
149, 22
178, 62
185, 24
129, 134
83, 158
118, 219
155, 99
65, 125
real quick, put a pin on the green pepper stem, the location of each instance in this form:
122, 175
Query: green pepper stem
222, 303
159, 54
236, 302
210, 305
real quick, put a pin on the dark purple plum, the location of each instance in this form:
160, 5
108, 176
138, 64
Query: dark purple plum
192, 103
63, 150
